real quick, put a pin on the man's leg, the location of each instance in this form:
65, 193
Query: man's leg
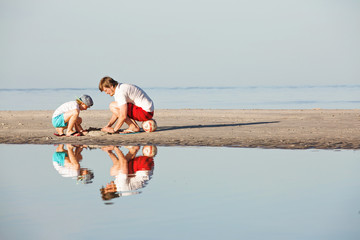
115, 113
134, 114
133, 126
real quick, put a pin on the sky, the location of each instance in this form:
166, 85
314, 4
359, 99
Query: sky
179, 43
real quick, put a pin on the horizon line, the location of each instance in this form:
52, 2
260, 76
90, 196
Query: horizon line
200, 87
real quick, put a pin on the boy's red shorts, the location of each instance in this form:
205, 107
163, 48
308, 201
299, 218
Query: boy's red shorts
138, 114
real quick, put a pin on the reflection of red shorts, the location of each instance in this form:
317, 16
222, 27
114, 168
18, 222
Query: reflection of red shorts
137, 113
140, 163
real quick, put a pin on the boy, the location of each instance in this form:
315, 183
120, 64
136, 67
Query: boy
131, 104
67, 163
67, 116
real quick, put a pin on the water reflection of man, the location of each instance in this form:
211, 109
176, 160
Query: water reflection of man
67, 163
131, 173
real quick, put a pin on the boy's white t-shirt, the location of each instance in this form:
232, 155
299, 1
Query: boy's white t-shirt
128, 93
66, 171
68, 106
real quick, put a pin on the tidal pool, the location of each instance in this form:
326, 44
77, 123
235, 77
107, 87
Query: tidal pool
124, 192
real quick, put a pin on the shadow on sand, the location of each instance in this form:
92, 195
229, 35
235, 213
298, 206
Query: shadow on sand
168, 128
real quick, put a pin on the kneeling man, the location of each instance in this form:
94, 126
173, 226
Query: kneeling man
131, 104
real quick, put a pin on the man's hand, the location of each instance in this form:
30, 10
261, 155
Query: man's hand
108, 148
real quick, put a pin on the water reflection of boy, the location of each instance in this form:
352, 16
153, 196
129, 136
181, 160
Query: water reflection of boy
67, 163
131, 173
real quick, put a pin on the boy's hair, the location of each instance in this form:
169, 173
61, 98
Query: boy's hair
107, 82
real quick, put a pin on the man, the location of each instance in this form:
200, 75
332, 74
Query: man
131, 104
131, 172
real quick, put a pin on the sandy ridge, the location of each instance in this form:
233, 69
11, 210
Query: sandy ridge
287, 129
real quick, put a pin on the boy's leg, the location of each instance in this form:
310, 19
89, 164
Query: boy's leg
60, 148
59, 124
78, 126
71, 118
60, 130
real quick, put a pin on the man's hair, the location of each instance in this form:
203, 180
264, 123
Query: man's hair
107, 82
108, 195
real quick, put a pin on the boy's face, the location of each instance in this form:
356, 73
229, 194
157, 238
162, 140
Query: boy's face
83, 106
110, 91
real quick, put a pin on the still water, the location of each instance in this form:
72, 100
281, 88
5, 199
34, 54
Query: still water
123, 192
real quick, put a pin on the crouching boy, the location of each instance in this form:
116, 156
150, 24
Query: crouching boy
67, 116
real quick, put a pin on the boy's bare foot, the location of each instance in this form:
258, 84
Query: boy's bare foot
59, 135
84, 132
73, 134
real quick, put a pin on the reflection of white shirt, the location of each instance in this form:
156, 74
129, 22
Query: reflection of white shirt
66, 171
128, 93
68, 106
124, 183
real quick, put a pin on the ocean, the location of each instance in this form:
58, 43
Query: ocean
236, 97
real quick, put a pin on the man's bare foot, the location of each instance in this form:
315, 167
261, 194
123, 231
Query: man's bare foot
135, 148
130, 130
108, 130
108, 148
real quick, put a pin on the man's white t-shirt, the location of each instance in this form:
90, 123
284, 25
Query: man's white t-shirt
128, 93
68, 106
124, 183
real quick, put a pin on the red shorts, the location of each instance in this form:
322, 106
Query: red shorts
138, 114
140, 163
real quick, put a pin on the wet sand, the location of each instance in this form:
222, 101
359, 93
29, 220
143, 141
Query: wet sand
286, 129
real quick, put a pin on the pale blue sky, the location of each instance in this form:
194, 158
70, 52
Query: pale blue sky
50, 44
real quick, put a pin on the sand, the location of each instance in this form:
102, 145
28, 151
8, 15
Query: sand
285, 129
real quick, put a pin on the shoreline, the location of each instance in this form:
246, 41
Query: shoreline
270, 129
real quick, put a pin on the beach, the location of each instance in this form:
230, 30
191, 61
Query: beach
276, 129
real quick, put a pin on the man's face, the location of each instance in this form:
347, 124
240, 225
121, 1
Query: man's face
110, 187
110, 91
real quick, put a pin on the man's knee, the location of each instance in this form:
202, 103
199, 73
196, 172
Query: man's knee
114, 107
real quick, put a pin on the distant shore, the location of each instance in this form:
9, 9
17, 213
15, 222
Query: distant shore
284, 129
